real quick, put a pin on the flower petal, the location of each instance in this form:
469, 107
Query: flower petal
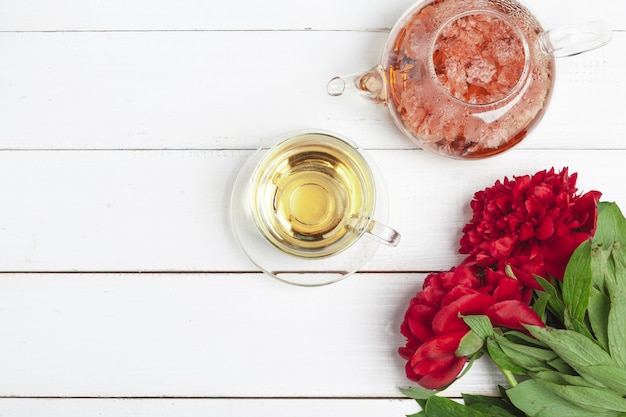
437, 380
439, 347
502, 247
456, 293
447, 319
508, 289
419, 329
586, 210
545, 229
434, 363
511, 314
427, 366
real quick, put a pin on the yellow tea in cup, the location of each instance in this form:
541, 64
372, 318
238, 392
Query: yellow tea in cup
303, 208
313, 195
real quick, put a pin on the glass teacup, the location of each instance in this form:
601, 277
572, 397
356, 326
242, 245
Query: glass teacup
303, 208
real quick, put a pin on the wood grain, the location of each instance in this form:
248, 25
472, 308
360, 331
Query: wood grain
177, 90
169, 210
194, 15
203, 407
199, 335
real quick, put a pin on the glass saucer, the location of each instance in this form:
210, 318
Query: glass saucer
289, 268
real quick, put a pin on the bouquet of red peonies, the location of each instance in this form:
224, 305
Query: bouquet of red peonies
542, 293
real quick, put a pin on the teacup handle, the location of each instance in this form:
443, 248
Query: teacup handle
571, 40
384, 233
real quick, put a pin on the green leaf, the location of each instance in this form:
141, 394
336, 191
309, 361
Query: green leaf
480, 402
540, 354
564, 379
617, 331
611, 225
611, 228
529, 364
555, 302
576, 325
598, 312
560, 365
481, 325
422, 413
422, 404
577, 282
618, 253
523, 339
617, 314
609, 376
530, 358
418, 393
492, 410
574, 348
471, 399
536, 401
445, 407
540, 304
501, 359
599, 400
470, 344
602, 266
619, 256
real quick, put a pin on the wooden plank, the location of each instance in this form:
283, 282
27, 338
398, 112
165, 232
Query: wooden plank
207, 335
202, 408
168, 210
25, 15
177, 90
172, 90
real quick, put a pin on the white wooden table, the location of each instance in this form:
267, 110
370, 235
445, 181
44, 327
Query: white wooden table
122, 126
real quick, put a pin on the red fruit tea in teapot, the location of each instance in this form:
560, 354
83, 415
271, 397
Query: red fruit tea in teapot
478, 59
468, 78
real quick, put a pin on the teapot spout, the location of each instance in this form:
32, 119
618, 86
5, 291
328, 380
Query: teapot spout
370, 84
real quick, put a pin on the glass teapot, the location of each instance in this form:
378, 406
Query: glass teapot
469, 78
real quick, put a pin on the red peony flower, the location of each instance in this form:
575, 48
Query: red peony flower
532, 223
434, 329
434, 363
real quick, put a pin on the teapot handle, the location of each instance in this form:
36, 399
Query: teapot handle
571, 40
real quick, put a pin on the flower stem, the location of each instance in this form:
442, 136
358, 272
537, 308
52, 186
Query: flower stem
510, 378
